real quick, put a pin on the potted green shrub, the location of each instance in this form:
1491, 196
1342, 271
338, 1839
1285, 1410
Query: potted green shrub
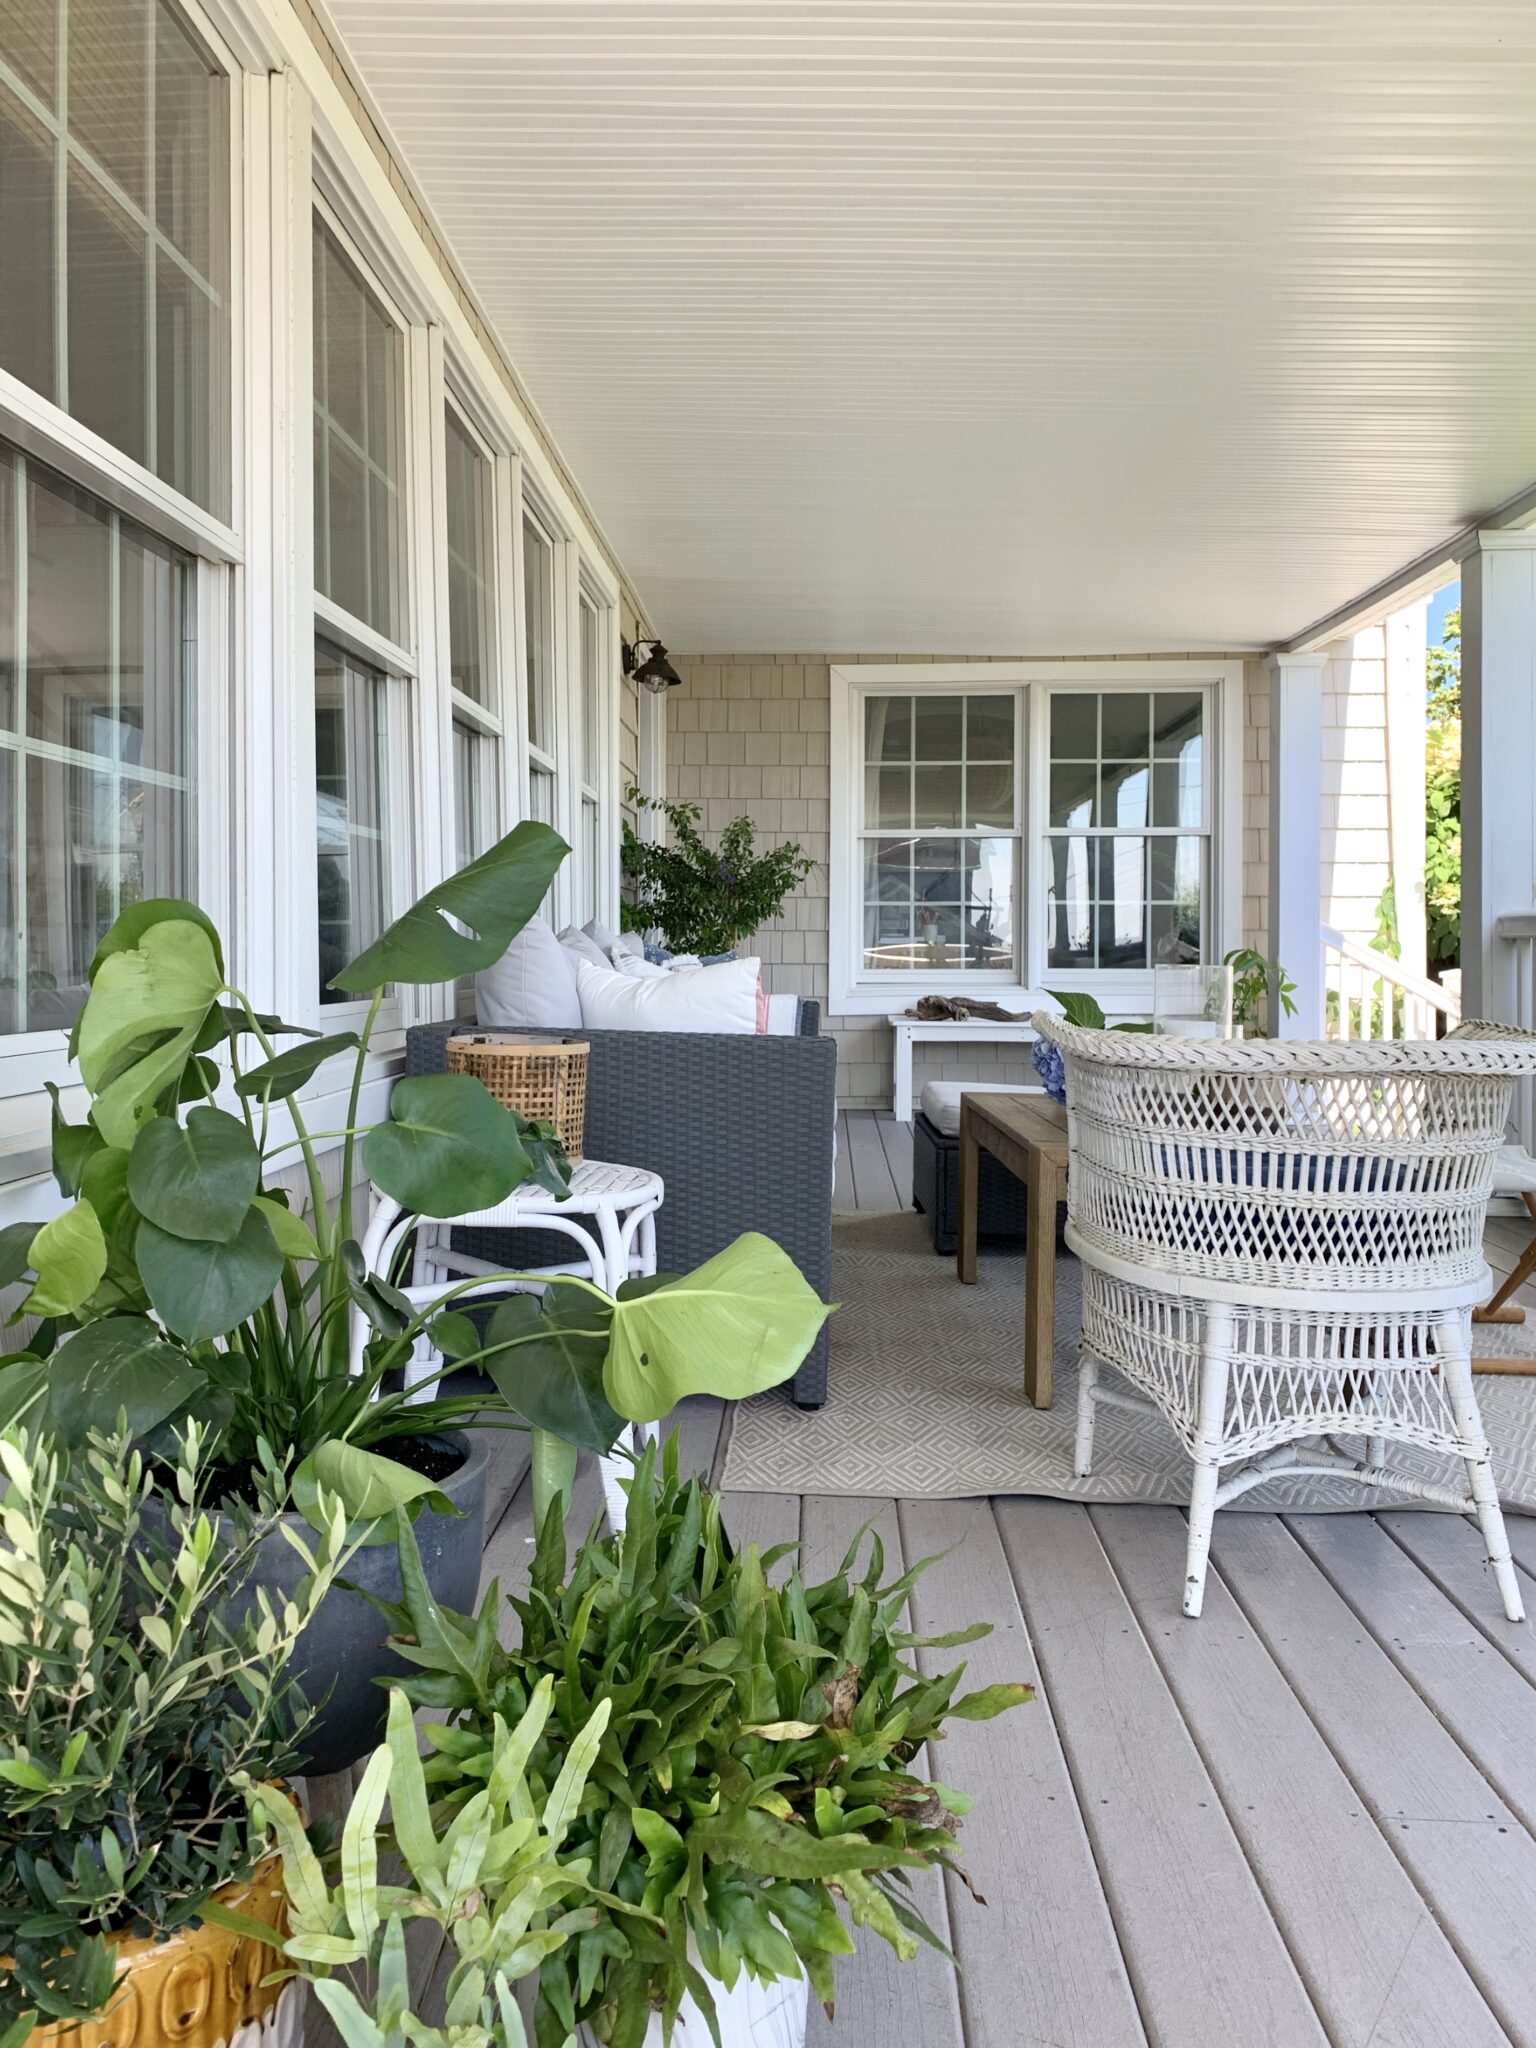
182, 1279
755, 1767
130, 1702
491, 1880
704, 898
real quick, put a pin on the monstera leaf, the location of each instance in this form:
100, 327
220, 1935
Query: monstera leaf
467, 922
448, 1146
141, 1021
547, 1361
121, 1365
741, 1322
69, 1257
198, 1179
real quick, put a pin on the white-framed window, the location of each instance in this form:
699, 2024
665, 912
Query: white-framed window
365, 664
115, 246
540, 657
97, 623
474, 657
1004, 827
595, 750
120, 139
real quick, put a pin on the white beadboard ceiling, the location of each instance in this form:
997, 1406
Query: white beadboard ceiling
983, 325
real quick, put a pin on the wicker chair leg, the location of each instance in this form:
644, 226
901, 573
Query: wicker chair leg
1457, 1369
1215, 1366
1087, 1390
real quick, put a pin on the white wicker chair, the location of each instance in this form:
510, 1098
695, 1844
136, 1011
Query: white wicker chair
1283, 1241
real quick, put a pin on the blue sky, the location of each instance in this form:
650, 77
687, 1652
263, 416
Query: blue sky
1442, 602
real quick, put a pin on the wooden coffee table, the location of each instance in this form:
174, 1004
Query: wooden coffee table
1028, 1135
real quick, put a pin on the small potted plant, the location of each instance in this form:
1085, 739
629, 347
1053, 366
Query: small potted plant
184, 1278
754, 1771
704, 899
492, 1881
130, 1704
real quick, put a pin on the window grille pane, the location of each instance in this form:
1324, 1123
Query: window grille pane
469, 563
1125, 900
939, 904
351, 810
541, 795
95, 736
359, 436
26, 248
143, 356
476, 815
591, 697
539, 636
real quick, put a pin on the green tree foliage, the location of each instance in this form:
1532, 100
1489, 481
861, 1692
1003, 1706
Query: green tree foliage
705, 899
1442, 792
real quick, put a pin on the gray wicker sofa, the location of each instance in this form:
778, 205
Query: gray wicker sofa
740, 1128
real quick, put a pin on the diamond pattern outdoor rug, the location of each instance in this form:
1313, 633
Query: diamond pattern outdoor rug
927, 1402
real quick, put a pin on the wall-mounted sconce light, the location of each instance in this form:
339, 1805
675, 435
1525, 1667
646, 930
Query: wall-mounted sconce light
647, 662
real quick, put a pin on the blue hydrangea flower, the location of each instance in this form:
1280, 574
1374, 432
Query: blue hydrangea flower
1048, 1064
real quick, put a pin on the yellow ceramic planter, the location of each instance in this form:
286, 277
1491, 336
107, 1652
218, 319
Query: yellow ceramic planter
200, 1988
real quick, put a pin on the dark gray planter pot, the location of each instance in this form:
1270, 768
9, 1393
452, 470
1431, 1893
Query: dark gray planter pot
342, 1652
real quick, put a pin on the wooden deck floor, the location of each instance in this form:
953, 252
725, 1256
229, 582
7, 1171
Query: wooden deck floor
1306, 1821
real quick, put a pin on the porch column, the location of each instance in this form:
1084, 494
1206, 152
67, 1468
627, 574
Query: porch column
1296, 836
1498, 761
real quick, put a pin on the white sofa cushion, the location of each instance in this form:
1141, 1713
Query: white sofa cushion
721, 998
582, 947
940, 1100
533, 984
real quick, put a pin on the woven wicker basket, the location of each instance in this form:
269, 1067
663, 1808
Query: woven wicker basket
543, 1079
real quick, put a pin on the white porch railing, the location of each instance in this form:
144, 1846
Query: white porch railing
1519, 934
1368, 995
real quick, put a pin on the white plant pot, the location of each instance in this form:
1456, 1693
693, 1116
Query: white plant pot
752, 2016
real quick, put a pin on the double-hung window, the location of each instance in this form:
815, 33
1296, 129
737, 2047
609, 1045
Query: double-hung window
473, 641
539, 654
116, 254
362, 623
1010, 826
594, 749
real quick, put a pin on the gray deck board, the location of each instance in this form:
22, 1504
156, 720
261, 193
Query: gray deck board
1485, 1701
1169, 1858
1375, 1963
873, 1185
919, 2000
897, 1140
1465, 1850
1042, 1963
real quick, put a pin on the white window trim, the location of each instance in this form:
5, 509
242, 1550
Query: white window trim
46, 434
602, 788
853, 994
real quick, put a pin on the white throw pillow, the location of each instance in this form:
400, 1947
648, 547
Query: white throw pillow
627, 942
601, 935
721, 998
637, 967
580, 947
533, 984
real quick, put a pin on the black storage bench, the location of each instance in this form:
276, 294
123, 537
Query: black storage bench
936, 1189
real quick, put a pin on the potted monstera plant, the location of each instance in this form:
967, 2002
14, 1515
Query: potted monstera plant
185, 1277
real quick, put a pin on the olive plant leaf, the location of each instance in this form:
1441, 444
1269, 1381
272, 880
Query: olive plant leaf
204, 1289
120, 1365
287, 1072
370, 1488
196, 1180
467, 922
69, 1257
142, 1018
554, 1375
447, 1146
741, 1322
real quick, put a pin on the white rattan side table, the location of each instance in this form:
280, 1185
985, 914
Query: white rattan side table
610, 1218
